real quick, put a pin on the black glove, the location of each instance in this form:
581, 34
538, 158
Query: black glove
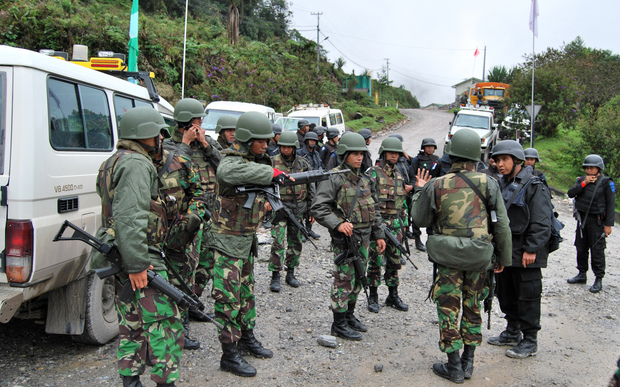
279, 177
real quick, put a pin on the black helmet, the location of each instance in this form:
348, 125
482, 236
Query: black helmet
398, 136
428, 142
319, 130
302, 123
531, 153
311, 136
509, 147
332, 133
277, 129
594, 161
366, 133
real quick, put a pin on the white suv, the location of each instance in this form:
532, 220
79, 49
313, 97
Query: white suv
480, 120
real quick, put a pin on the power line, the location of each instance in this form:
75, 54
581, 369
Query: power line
420, 80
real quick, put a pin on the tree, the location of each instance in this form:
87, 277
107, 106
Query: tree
340, 62
500, 74
232, 23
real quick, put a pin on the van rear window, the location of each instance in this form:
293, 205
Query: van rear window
79, 117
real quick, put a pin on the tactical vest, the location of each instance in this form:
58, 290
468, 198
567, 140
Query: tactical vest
363, 215
156, 226
518, 211
582, 201
460, 211
207, 174
390, 191
170, 186
294, 192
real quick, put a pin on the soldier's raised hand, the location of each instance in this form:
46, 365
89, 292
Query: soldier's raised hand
422, 177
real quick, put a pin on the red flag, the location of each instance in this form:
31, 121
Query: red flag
477, 52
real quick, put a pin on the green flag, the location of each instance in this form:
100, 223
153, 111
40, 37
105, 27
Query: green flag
133, 38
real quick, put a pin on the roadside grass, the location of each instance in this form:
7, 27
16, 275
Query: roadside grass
370, 116
558, 160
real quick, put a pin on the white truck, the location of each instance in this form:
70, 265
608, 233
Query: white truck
217, 109
482, 121
58, 123
320, 115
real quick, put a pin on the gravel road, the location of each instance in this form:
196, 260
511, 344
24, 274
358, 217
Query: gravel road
578, 344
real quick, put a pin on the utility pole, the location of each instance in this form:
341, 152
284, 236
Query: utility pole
318, 19
387, 67
484, 62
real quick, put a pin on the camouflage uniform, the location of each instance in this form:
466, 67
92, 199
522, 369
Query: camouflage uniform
297, 199
232, 238
461, 248
391, 195
331, 206
204, 162
134, 216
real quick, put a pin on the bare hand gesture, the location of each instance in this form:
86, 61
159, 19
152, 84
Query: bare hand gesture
422, 178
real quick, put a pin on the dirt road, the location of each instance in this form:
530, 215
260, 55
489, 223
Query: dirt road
578, 345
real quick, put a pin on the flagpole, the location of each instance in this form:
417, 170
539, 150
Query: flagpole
533, 114
484, 62
184, 47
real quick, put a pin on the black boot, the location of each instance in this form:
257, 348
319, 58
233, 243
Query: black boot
597, 286
166, 384
511, 336
467, 361
312, 234
131, 381
233, 362
452, 370
190, 344
353, 322
580, 278
394, 301
527, 347
418, 244
373, 300
248, 345
341, 328
274, 286
290, 277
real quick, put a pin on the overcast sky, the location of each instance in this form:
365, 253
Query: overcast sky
430, 44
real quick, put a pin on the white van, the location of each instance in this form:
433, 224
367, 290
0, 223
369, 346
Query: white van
58, 123
217, 109
320, 115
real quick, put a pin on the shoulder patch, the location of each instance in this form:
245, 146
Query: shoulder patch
612, 185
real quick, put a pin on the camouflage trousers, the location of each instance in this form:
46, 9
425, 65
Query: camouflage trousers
149, 322
279, 231
346, 287
204, 270
233, 292
452, 289
392, 265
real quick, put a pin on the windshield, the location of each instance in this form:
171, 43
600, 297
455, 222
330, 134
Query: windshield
494, 92
312, 120
469, 121
210, 121
288, 123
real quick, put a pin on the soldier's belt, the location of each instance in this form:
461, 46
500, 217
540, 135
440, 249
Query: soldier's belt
357, 226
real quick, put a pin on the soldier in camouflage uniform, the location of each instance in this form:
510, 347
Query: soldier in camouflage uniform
347, 205
391, 193
134, 218
233, 240
189, 140
185, 209
297, 199
461, 248
225, 130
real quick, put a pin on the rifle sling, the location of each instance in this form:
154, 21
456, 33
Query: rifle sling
164, 168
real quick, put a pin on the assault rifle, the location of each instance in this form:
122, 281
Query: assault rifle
272, 194
391, 239
488, 302
352, 255
156, 281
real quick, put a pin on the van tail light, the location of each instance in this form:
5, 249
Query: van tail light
19, 250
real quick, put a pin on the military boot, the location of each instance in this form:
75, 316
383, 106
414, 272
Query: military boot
394, 301
131, 381
467, 361
166, 384
526, 347
373, 300
353, 322
580, 278
418, 244
189, 343
341, 328
511, 336
452, 370
248, 345
233, 362
311, 233
274, 286
597, 286
290, 277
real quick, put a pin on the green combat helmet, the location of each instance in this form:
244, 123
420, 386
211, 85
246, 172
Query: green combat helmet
187, 109
466, 144
391, 144
141, 123
253, 126
508, 147
226, 122
289, 139
594, 161
351, 142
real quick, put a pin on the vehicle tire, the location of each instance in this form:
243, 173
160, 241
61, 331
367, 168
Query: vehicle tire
101, 322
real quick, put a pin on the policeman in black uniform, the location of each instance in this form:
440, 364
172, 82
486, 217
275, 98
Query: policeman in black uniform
367, 162
273, 148
330, 146
594, 204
